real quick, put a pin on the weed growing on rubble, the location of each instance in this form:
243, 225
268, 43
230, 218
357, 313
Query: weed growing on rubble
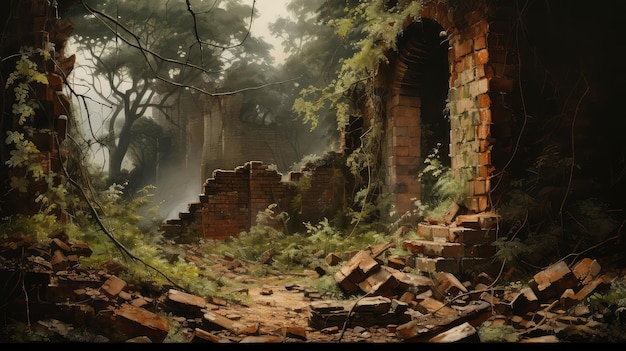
278, 253
175, 333
612, 305
440, 188
501, 333
546, 216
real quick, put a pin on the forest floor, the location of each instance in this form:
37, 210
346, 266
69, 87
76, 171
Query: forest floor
269, 308
276, 304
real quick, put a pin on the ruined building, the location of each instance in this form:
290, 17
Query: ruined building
518, 94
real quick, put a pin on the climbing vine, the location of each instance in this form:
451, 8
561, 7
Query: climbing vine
372, 28
24, 155
24, 75
24, 108
378, 26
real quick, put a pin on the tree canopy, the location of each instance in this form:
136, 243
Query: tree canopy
149, 51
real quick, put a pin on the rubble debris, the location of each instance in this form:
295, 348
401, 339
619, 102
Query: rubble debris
384, 304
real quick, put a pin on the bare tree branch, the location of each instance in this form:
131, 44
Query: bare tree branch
197, 35
146, 51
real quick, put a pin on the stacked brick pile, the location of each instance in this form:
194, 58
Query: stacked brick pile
461, 243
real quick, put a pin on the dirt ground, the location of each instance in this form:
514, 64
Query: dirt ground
279, 302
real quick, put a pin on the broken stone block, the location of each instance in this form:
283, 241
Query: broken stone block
333, 259
215, 321
377, 304
262, 339
437, 264
189, 304
461, 333
113, 286
436, 307
59, 261
381, 283
293, 332
586, 270
134, 321
356, 270
200, 336
449, 285
551, 282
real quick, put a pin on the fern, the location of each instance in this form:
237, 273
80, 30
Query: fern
440, 188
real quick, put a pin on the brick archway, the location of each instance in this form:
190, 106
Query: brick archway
447, 50
416, 120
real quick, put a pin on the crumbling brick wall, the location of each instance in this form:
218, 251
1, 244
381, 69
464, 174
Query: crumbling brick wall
510, 69
232, 199
226, 203
456, 34
36, 24
522, 78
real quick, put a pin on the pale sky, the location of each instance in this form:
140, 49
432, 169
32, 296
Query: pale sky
269, 11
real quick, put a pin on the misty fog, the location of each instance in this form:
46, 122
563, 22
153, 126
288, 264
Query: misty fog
176, 172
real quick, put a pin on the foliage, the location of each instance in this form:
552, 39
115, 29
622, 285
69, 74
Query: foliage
368, 31
148, 54
303, 184
315, 55
124, 218
295, 252
176, 331
397, 240
612, 304
530, 251
502, 333
372, 29
306, 160
327, 285
370, 201
38, 225
130, 220
444, 188
25, 74
29, 172
543, 217
24, 152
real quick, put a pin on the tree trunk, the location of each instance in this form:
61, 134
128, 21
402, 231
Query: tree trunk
117, 153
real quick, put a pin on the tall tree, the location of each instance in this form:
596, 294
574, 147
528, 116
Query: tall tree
147, 50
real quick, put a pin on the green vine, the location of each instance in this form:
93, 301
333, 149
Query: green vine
24, 75
380, 27
25, 162
24, 151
